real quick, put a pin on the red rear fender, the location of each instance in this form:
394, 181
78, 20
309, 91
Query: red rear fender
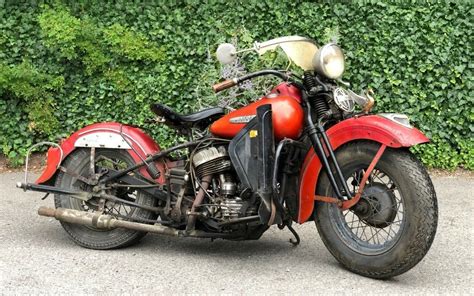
105, 135
373, 127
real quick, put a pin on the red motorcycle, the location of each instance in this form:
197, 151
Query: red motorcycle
300, 153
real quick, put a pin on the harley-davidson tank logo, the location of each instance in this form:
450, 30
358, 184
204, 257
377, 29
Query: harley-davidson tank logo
241, 119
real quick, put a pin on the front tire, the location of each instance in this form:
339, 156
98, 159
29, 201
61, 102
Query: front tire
394, 223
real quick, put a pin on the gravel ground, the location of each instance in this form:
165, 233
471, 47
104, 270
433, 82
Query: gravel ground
37, 257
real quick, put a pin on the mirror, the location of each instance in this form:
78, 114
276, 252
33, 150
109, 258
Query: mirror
226, 53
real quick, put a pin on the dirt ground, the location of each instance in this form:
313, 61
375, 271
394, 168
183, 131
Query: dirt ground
36, 164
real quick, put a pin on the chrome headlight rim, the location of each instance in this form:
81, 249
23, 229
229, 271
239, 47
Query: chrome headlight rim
318, 61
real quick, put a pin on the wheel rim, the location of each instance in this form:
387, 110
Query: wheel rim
118, 210
375, 224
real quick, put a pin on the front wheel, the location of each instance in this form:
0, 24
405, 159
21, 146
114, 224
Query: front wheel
392, 226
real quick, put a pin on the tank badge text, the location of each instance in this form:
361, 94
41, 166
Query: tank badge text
242, 119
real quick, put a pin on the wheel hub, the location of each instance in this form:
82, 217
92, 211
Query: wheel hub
377, 206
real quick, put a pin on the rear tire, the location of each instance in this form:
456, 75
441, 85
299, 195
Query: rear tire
407, 204
89, 237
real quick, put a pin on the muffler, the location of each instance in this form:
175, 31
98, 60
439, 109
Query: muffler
103, 221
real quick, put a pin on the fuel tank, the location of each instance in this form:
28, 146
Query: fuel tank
287, 114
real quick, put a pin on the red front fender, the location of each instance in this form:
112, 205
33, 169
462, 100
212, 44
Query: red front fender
372, 127
141, 142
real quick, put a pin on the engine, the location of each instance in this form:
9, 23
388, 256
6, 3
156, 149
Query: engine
211, 161
226, 199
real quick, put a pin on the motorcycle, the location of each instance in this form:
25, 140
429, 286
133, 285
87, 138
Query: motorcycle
309, 150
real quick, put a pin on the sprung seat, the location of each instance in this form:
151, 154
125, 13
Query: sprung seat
200, 119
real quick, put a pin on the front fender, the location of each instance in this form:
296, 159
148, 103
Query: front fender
104, 135
372, 127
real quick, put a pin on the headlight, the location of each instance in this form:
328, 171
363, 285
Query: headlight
329, 61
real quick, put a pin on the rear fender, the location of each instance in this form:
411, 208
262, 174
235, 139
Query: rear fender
104, 135
372, 127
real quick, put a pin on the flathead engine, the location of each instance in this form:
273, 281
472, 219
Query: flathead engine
226, 199
211, 161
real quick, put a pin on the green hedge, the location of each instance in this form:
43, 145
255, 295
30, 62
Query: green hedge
67, 64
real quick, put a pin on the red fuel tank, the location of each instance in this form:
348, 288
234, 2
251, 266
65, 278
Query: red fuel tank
287, 115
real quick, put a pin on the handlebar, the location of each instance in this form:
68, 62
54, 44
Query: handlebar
233, 82
224, 85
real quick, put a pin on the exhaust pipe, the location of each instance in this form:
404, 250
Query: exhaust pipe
103, 221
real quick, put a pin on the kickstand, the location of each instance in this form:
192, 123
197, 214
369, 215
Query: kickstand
293, 231
297, 237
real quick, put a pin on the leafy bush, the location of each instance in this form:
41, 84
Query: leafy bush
72, 63
27, 95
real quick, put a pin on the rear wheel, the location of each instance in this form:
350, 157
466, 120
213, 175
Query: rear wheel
78, 162
392, 226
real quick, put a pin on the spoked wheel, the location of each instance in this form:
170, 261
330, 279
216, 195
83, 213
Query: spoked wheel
79, 163
377, 220
392, 226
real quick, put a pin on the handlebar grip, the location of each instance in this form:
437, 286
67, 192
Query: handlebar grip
224, 85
